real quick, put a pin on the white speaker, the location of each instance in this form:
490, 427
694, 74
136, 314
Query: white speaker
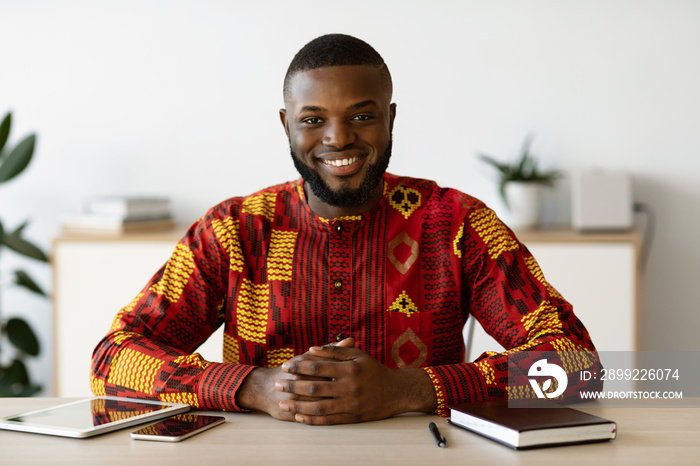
601, 201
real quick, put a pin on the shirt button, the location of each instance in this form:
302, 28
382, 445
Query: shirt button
339, 227
338, 285
340, 337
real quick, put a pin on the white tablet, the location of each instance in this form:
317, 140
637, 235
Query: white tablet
91, 416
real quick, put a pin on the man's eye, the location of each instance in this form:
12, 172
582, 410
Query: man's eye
311, 121
362, 117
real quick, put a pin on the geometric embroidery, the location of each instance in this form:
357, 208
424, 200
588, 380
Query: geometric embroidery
492, 232
226, 231
345, 218
116, 323
542, 321
404, 304
231, 352
97, 385
405, 337
177, 272
119, 337
439, 391
280, 255
573, 357
135, 371
194, 360
405, 200
262, 204
252, 310
403, 238
534, 268
181, 397
455, 243
519, 392
276, 357
487, 371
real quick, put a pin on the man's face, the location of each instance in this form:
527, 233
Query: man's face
339, 120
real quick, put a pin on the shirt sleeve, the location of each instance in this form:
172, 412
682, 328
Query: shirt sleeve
149, 349
509, 296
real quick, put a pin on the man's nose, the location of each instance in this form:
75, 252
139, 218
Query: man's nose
338, 134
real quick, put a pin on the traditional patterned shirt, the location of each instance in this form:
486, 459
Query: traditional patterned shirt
402, 279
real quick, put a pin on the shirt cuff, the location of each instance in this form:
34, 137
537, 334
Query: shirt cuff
220, 383
456, 383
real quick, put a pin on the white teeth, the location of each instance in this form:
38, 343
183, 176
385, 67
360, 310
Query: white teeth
341, 162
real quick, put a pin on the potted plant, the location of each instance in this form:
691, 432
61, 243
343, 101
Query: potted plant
14, 377
520, 184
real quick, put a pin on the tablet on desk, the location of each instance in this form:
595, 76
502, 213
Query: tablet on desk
91, 416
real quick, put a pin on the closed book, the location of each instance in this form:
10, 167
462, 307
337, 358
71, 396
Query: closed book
530, 427
129, 207
99, 224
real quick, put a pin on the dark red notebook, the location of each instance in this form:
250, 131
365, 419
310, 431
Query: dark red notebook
522, 428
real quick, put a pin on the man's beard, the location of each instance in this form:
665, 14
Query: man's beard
345, 197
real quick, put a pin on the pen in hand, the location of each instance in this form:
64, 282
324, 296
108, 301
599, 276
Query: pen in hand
439, 439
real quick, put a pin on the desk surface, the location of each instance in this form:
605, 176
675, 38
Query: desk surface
646, 436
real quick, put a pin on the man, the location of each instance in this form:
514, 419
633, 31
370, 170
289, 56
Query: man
342, 295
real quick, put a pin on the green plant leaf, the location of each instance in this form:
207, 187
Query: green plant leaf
21, 246
29, 389
18, 231
523, 169
24, 280
22, 336
502, 192
17, 160
2, 234
14, 380
5, 130
16, 372
501, 167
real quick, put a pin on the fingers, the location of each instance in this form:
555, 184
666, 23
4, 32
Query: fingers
306, 388
346, 343
345, 352
317, 368
317, 412
342, 418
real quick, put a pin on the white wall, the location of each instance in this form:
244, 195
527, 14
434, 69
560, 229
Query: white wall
181, 98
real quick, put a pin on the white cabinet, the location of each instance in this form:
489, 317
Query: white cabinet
94, 277
597, 273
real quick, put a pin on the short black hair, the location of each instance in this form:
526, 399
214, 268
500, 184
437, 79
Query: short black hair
337, 50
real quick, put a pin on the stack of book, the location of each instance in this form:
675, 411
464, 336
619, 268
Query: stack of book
121, 214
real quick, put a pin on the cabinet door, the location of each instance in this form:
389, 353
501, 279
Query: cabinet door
93, 280
599, 280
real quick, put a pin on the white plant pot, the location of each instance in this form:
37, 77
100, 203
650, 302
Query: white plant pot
524, 205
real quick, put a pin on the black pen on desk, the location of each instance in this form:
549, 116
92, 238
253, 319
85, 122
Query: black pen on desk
439, 439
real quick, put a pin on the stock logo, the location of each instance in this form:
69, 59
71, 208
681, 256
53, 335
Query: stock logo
543, 369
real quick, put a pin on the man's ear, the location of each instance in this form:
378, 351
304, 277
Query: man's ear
283, 119
392, 115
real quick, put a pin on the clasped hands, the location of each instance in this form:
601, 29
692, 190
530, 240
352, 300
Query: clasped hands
338, 384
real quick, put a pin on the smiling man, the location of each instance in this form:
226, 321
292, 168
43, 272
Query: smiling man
342, 295
339, 121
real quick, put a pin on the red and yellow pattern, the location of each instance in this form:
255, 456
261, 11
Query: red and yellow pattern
226, 231
253, 311
402, 279
177, 274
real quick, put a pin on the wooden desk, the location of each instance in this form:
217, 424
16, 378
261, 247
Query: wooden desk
646, 436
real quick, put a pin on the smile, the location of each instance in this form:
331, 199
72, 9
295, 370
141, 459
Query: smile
341, 162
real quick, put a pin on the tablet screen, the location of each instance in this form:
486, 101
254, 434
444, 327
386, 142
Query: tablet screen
89, 416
